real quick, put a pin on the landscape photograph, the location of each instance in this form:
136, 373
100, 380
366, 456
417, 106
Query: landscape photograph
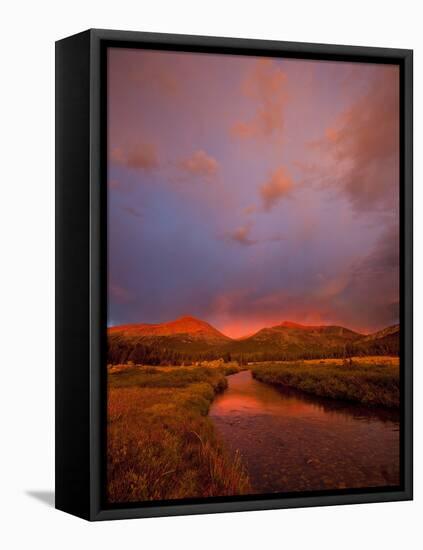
253, 299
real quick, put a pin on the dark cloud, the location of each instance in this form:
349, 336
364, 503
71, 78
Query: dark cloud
363, 295
373, 289
362, 146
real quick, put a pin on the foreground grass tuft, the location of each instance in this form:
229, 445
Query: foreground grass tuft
161, 444
368, 383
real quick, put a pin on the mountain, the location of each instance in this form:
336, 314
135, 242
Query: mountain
384, 333
383, 342
294, 338
187, 326
287, 330
191, 339
173, 341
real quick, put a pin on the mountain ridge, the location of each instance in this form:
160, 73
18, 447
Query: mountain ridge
188, 324
189, 338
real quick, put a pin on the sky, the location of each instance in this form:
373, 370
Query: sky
247, 191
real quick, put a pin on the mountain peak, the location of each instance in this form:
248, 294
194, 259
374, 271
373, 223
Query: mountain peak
188, 324
291, 324
188, 319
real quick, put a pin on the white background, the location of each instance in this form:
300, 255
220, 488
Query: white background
29, 29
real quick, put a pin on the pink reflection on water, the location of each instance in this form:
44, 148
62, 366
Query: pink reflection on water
290, 441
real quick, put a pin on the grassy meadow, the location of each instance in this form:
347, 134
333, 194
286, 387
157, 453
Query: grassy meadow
368, 380
161, 444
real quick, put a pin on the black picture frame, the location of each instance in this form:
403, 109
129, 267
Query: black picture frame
81, 275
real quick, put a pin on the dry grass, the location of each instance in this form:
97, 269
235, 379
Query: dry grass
368, 380
161, 445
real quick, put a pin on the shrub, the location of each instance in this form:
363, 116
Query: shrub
371, 384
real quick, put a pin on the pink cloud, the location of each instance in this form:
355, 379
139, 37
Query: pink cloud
200, 164
279, 185
119, 294
266, 85
158, 74
142, 156
250, 210
241, 235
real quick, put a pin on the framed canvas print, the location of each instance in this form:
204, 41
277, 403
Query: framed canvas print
233, 274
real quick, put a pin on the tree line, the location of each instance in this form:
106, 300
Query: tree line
120, 352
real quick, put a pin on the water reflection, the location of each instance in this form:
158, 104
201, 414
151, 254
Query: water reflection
358, 411
291, 441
